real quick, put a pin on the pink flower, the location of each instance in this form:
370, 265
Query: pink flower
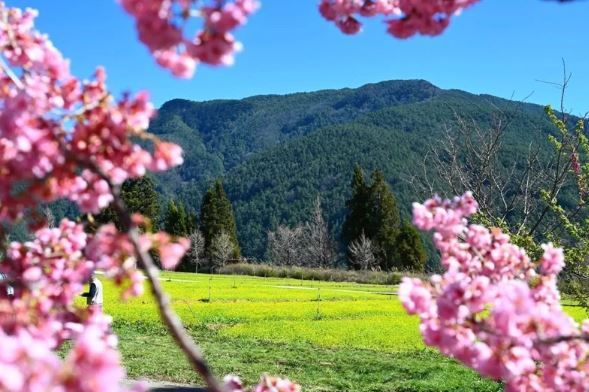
492, 310
170, 252
349, 26
233, 384
181, 65
166, 155
276, 384
95, 366
552, 260
158, 21
405, 18
519, 362
415, 297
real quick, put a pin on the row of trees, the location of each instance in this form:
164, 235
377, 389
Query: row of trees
374, 236
213, 235
373, 232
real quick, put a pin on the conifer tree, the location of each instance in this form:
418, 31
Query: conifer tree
140, 196
175, 219
190, 221
358, 215
384, 219
409, 249
216, 217
178, 222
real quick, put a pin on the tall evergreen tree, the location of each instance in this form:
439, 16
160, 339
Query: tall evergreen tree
178, 222
373, 212
358, 214
190, 222
140, 196
409, 249
384, 223
216, 217
175, 219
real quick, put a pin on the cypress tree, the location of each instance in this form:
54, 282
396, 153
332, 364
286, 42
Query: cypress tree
384, 221
358, 214
175, 219
178, 222
190, 222
409, 249
139, 196
216, 217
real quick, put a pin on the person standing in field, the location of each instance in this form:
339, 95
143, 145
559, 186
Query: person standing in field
6, 281
94, 296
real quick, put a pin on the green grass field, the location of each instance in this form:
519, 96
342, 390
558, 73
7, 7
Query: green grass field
326, 336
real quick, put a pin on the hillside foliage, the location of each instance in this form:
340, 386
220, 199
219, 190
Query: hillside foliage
277, 153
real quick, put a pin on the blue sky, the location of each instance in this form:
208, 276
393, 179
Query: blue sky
499, 47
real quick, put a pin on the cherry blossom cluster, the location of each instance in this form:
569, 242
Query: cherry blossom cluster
47, 273
61, 137
494, 309
405, 18
579, 176
115, 254
160, 24
266, 384
29, 364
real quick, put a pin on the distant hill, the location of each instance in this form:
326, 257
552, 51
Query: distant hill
277, 152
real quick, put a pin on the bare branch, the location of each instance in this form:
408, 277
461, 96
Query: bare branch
565, 338
8, 71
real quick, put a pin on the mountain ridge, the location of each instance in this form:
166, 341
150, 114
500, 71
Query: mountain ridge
276, 153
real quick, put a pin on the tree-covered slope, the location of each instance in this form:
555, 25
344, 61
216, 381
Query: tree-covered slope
276, 153
226, 132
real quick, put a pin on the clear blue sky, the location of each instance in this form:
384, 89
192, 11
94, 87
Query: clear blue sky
500, 47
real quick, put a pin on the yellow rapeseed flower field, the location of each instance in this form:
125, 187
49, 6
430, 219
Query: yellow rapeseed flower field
327, 336
328, 314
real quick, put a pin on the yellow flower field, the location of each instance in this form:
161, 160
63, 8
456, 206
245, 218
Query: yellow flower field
328, 336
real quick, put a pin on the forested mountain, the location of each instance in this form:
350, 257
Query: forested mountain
276, 153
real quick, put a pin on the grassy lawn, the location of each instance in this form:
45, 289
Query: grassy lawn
326, 336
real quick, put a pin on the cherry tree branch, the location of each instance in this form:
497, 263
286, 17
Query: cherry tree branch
564, 338
10, 73
169, 317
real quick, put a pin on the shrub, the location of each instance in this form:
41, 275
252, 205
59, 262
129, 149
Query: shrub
302, 273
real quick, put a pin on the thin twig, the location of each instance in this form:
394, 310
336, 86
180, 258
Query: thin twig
10, 73
564, 338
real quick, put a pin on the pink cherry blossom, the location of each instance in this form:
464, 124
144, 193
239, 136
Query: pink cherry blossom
404, 18
552, 260
158, 27
170, 252
493, 311
276, 384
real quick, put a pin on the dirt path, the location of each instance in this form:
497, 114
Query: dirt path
167, 387
339, 290
164, 386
